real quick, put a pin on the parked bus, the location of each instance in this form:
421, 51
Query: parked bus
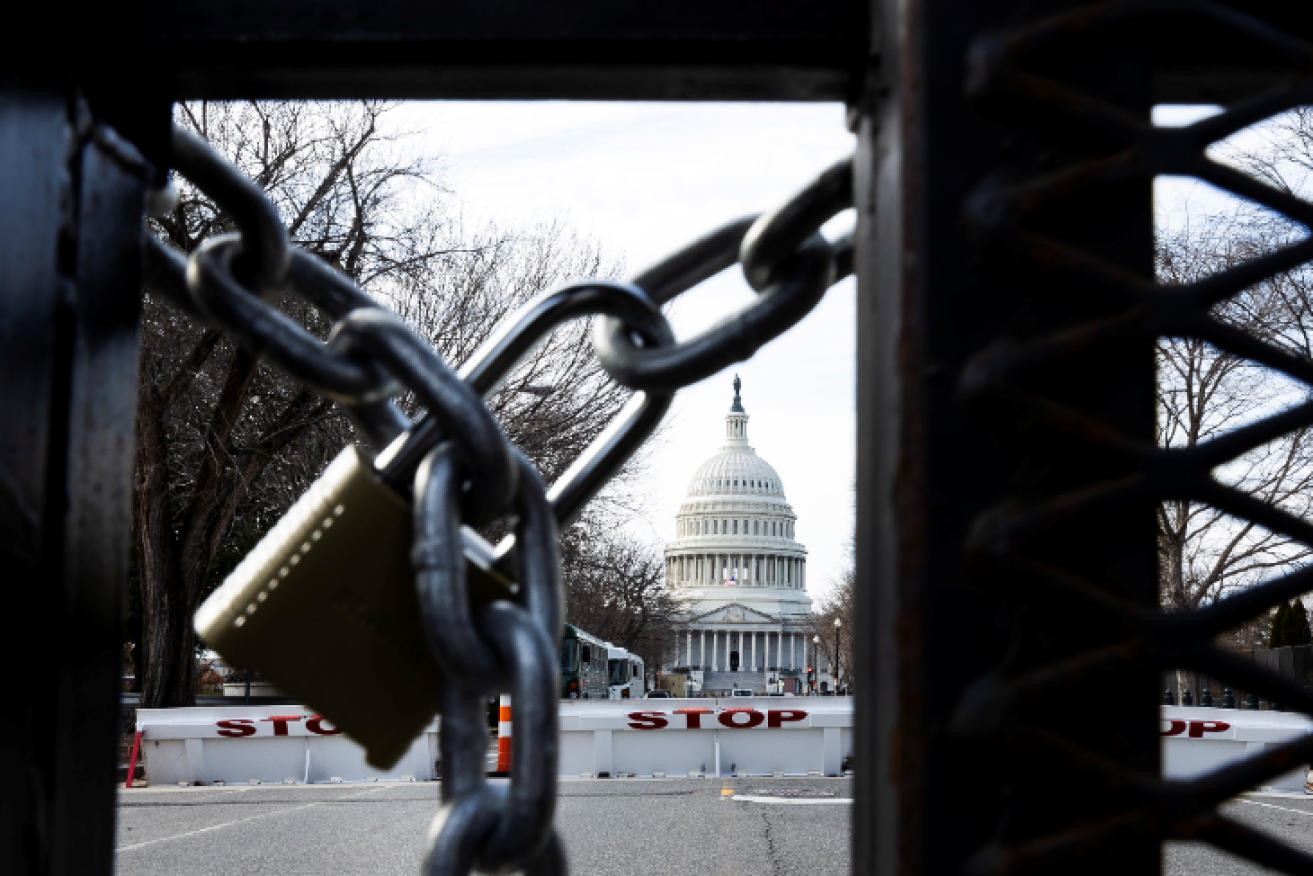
625, 673
583, 665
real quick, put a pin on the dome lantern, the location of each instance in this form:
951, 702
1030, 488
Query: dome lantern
736, 422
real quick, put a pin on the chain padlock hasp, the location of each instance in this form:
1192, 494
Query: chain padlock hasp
333, 582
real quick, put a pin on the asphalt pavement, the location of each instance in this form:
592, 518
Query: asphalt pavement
633, 827
1286, 817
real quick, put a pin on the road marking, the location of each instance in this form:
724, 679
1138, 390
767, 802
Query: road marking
243, 820
1282, 808
794, 800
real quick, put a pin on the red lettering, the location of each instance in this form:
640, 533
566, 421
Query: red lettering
280, 723
727, 718
315, 724
1177, 728
1199, 728
647, 720
777, 717
694, 717
236, 727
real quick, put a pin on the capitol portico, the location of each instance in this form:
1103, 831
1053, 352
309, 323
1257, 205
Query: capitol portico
736, 567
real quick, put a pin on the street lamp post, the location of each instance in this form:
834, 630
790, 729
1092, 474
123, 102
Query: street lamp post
816, 665
838, 653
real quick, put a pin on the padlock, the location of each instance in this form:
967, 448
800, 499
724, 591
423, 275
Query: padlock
325, 607
333, 619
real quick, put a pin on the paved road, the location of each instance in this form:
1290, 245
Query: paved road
1287, 818
633, 827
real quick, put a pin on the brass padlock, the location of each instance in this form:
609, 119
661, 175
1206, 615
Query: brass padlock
325, 607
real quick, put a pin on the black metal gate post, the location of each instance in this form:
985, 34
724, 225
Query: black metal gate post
987, 394
70, 230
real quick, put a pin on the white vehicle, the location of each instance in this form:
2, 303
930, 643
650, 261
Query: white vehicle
625, 674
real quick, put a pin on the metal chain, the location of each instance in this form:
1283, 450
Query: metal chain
462, 469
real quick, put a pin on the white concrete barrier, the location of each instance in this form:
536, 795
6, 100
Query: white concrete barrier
1199, 740
268, 743
758, 736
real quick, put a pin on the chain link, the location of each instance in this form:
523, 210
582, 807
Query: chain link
784, 259
461, 469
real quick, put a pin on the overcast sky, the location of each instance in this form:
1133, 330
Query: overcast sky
644, 179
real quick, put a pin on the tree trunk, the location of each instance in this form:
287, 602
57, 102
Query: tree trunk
167, 642
174, 565
170, 646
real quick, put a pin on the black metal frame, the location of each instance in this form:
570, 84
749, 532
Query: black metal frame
1007, 313
1008, 405
69, 300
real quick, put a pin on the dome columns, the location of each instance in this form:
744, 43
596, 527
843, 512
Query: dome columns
774, 648
697, 568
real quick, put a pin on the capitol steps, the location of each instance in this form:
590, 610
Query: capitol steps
727, 681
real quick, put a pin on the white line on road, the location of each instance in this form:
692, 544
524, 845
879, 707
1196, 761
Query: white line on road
242, 820
795, 801
1282, 808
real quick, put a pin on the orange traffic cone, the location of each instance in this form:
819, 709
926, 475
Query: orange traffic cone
504, 737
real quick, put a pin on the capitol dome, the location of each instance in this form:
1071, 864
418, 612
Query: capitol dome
738, 569
737, 493
733, 471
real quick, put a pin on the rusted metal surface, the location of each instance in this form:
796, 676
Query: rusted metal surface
590, 49
69, 299
1014, 470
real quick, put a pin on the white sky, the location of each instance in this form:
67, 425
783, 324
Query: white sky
643, 180
1177, 197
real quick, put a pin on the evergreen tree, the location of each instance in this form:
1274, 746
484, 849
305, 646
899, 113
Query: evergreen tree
1297, 628
1277, 638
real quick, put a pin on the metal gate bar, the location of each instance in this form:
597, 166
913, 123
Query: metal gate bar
588, 49
70, 232
956, 460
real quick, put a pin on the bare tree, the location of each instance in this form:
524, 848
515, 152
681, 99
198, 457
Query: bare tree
559, 399
1204, 393
840, 604
225, 445
615, 589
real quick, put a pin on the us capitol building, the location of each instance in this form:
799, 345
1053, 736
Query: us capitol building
736, 568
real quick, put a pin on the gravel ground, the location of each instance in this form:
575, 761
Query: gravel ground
622, 826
